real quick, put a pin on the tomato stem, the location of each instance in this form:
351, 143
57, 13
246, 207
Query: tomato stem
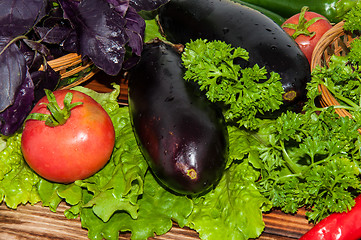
58, 116
301, 28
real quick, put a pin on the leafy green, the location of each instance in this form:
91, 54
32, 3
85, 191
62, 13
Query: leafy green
354, 54
124, 196
307, 160
17, 180
352, 18
245, 92
157, 209
310, 160
124, 174
342, 78
304, 160
152, 30
233, 210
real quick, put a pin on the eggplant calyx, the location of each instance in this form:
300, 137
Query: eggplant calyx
58, 116
301, 28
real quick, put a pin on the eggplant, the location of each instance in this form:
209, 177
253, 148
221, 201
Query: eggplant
182, 135
268, 44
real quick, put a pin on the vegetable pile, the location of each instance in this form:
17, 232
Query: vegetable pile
278, 157
101, 31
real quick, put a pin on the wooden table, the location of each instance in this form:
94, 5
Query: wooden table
39, 223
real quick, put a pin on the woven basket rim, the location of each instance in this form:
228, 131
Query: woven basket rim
328, 39
70, 64
332, 35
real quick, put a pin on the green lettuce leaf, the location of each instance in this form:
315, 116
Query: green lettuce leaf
109, 101
157, 209
123, 175
17, 180
124, 196
48, 192
233, 210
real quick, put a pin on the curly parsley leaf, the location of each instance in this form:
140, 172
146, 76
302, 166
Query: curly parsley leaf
342, 77
311, 161
353, 18
244, 92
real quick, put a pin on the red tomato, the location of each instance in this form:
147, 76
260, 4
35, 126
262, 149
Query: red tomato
308, 33
72, 151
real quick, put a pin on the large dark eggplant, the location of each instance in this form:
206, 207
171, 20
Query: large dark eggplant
268, 45
182, 135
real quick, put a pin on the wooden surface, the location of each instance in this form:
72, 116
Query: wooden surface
39, 223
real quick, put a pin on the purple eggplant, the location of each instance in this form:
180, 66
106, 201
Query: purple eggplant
182, 135
268, 45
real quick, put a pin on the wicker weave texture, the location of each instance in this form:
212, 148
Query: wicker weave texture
334, 42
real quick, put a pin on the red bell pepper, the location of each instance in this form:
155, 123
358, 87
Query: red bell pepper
338, 226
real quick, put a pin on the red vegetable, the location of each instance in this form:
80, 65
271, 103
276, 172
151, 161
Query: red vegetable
306, 28
338, 226
71, 143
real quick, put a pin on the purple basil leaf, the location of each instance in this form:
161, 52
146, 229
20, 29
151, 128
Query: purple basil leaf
17, 17
47, 79
70, 10
121, 6
13, 117
33, 59
147, 5
36, 46
12, 72
130, 62
54, 35
135, 28
102, 35
55, 16
70, 43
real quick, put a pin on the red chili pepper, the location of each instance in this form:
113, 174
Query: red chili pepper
338, 226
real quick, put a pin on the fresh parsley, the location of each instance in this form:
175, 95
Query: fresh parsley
245, 92
307, 159
310, 160
342, 77
353, 18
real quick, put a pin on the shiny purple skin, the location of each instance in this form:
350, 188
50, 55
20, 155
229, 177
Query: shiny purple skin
268, 44
182, 135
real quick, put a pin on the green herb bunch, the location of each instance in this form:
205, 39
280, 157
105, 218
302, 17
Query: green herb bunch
245, 92
310, 160
342, 77
352, 18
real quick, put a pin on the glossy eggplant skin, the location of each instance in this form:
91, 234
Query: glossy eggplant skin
268, 45
182, 135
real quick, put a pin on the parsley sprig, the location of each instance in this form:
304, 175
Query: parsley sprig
353, 18
245, 92
342, 77
306, 160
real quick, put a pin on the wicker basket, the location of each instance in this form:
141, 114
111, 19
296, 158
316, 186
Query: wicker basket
72, 64
334, 42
